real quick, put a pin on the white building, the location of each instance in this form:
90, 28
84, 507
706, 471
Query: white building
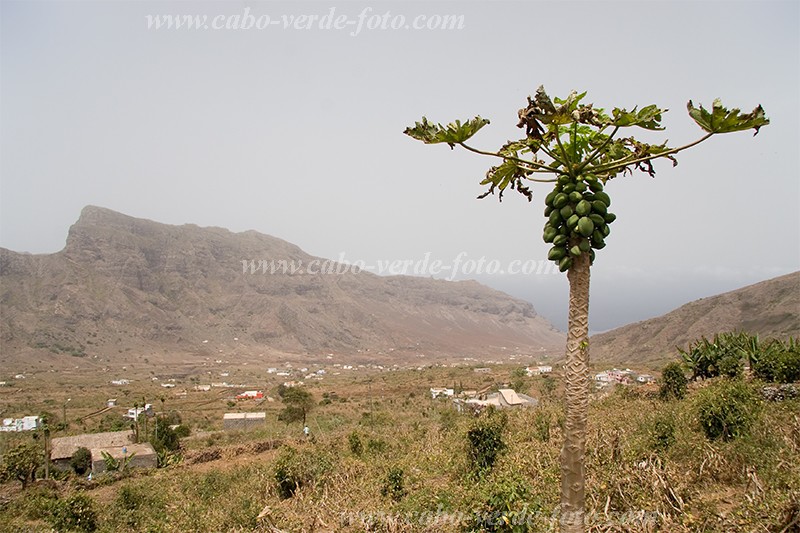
445, 393
538, 370
26, 423
136, 411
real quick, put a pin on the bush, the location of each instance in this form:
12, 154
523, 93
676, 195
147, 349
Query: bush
541, 426
393, 485
295, 468
505, 506
673, 382
355, 445
661, 432
486, 441
727, 409
779, 362
81, 461
164, 437
21, 462
724, 355
75, 513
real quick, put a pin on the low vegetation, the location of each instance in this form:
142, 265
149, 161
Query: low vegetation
712, 455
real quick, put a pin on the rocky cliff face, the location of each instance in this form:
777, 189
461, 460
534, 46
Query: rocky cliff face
123, 286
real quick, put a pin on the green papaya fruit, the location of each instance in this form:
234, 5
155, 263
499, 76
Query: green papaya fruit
609, 218
575, 197
599, 207
554, 217
566, 212
560, 240
603, 197
584, 245
560, 200
568, 188
549, 234
597, 219
605, 230
564, 264
585, 226
548, 200
581, 186
596, 186
556, 253
548, 210
584, 208
573, 221
563, 179
575, 250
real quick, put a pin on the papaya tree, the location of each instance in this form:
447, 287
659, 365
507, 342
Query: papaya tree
577, 149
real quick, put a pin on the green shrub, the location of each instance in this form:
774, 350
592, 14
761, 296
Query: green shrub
779, 362
485, 439
506, 507
731, 366
81, 461
541, 426
77, 512
295, 468
727, 409
724, 355
354, 443
21, 463
393, 485
376, 446
673, 382
661, 432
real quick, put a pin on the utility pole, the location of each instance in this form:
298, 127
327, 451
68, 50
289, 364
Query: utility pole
64, 413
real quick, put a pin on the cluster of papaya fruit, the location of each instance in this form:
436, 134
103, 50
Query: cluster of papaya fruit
577, 219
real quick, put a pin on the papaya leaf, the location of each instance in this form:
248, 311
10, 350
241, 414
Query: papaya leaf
508, 173
722, 120
452, 134
649, 117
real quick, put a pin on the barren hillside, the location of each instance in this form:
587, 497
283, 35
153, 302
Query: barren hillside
128, 288
770, 308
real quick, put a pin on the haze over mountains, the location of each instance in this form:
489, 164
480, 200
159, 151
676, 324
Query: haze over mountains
125, 287
770, 308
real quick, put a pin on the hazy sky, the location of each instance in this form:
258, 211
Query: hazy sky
298, 133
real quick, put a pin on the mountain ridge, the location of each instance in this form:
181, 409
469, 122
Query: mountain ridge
134, 286
769, 308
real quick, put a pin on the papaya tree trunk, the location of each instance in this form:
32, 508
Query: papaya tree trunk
573, 495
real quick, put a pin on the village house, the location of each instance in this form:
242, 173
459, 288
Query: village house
538, 370
250, 395
243, 420
118, 444
134, 413
502, 399
141, 455
444, 393
26, 423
